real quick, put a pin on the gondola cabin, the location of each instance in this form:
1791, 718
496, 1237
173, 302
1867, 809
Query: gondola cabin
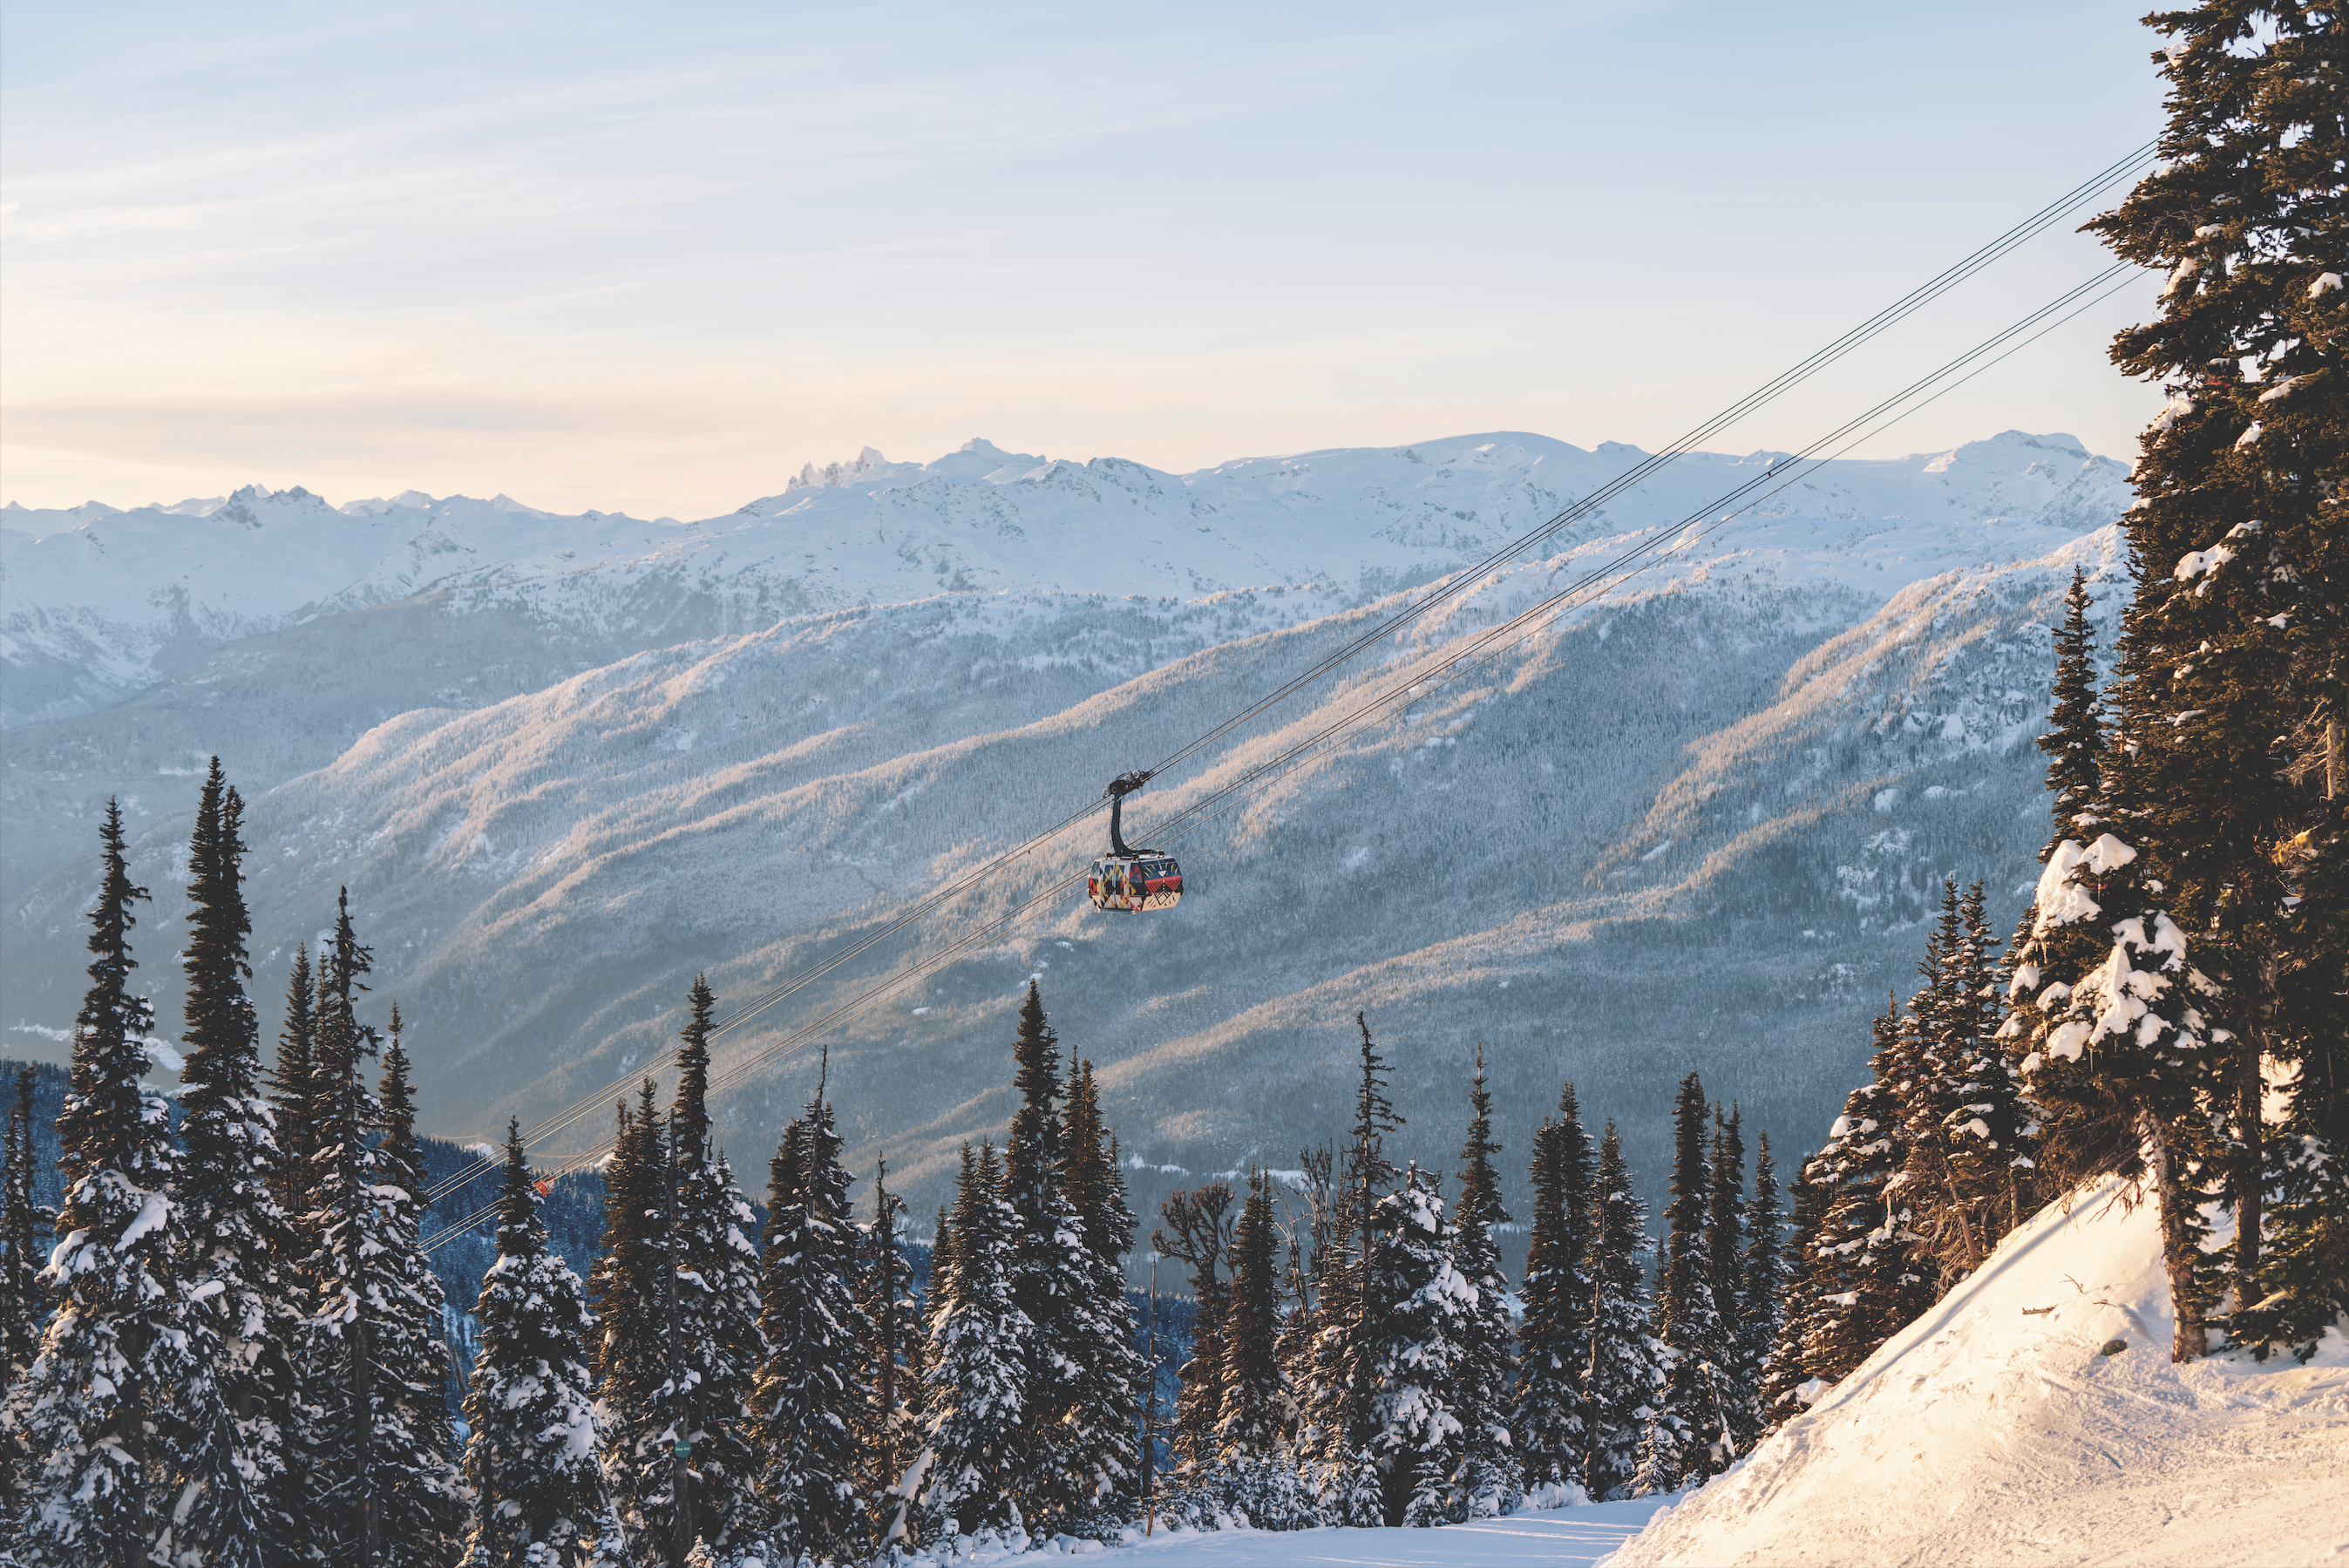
1135, 883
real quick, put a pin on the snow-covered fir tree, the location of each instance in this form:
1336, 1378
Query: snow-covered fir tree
1688, 1314
1624, 1386
1811, 1277
243, 1510
2129, 1030
534, 1454
1863, 1282
292, 1090
1761, 1292
1106, 1376
2234, 723
1553, 1341
22, 1225
711, 1337
1961, 1119
1342, 1422
1724, 1236
1487, 1481
811, 1396
374, 1364
1415, 1348
977, 1363
628, 1290
890, 1430
120, 1394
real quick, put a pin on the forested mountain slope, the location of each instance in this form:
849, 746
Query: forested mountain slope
1690, 826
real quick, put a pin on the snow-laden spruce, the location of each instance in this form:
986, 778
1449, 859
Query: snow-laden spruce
534, 1454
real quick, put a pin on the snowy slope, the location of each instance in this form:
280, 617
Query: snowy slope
1753, 764
1994, 1430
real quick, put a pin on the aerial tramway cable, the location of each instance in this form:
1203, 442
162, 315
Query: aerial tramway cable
1659, 545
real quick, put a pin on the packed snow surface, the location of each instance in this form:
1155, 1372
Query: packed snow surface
1995, 1430
1564, 1536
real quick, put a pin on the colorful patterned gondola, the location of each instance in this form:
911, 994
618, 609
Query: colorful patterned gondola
1129, 879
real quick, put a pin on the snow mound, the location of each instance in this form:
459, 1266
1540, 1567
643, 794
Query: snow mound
1995, 1430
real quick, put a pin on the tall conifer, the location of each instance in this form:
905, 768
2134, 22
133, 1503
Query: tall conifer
714, 1345
627, 1288
1550, 1425
1488, 1481
1249, 1424
1096, 1445
979, 1357
812, 1396
1624, 1386
1761, 1292
243, 1511
534, 1449
891, 1429
119, 1392
1863, 1282
2233, 644
1724, 1238
1420, 1309
22, 1225
1688, 1313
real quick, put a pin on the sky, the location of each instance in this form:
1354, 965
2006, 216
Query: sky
653, 259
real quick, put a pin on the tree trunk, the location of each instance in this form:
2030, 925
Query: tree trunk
2178, 1253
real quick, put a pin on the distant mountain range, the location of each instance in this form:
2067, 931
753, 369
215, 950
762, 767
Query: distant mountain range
564, 764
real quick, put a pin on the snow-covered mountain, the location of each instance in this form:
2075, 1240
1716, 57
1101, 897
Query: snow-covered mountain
1690, 825
2034, 1415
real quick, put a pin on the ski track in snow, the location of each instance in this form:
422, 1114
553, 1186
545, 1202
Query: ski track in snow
1992, 1432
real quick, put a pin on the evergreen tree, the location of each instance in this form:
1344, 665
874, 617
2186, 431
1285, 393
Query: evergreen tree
712, 1335
1724, 1237
1961, 1119
375, 1367
1624, 1386
1762, 1286
1688, 1313
1553, 1354
1251, 1421
533, 1455
2235, 683
1810, 1278
628, 1289
886, 1312
979, 1357
22, 1224
1343, 1424
1414, 1354
2074, 739
119, 1393
243, 1508
1487, 1481
292, 1099
1862, 1282
1106, 1375
812, 1396
2130, 1030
